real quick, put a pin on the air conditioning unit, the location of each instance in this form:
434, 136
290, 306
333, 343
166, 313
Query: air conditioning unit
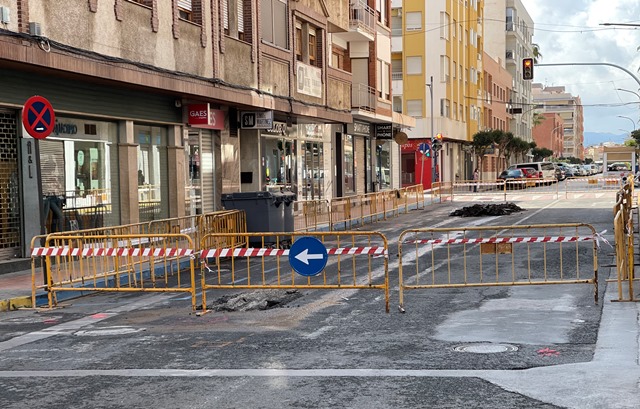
34, 29
5, 15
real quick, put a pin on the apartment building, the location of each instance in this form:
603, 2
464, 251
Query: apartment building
549, 133
162, 106
509, 36
437, 48
497, 90
555, 100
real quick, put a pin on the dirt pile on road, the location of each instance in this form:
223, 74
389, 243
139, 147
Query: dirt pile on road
477, 210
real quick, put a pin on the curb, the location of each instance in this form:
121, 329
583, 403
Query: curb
15, 303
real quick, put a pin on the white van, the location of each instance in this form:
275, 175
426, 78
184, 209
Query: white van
546, 170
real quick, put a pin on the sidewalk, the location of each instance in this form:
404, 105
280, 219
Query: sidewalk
15, 290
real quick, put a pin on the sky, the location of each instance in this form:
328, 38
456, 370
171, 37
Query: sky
570, 31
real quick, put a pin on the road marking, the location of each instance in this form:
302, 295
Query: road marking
72, 326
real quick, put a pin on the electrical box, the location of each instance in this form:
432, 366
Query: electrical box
34, 29
5, 15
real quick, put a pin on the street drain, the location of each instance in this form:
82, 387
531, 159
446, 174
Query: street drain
486, 348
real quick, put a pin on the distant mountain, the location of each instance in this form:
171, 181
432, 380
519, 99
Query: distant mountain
596, 138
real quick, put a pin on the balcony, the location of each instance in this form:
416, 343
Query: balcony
363, 97
396, 44
362, 23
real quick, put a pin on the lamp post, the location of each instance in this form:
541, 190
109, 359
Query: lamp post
631, 92
632, 121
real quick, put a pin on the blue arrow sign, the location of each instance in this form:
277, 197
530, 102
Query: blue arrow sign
308, 256
424, 147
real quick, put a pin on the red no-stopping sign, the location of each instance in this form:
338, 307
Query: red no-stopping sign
38, 117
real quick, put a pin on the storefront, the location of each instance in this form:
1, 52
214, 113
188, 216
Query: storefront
364, 159
10, 209
384, 146
79, 175
312, 161
416, 166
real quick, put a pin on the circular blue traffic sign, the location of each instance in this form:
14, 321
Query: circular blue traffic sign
308, 256
38, 117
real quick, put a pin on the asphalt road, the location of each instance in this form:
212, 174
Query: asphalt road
481, 347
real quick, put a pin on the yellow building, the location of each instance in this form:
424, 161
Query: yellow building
437, 74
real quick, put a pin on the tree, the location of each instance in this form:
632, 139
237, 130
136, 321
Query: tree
631, 142
538, 118
503, 140
541, 153
514, 147
482, 141
636, 135
537, 55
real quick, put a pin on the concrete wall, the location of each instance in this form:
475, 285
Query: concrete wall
238, 68
72, 23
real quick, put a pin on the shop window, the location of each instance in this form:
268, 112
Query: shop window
80, 174
349, 164
153, 194
274, 26
383, 156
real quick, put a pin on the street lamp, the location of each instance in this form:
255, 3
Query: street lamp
631, 92
632, 121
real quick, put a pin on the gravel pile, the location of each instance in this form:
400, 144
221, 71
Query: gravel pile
477, 210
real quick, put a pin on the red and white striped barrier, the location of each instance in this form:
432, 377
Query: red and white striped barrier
109, 252
547, 239
263, 252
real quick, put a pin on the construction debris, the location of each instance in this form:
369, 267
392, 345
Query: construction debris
477, 210
255, 300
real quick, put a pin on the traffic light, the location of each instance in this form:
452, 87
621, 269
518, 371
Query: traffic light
527, 68
437, 143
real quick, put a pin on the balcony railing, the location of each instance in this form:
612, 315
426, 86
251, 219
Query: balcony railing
396, 76
363, 97
362, 17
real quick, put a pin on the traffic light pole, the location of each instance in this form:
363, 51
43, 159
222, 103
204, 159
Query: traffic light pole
434, 152
592, 63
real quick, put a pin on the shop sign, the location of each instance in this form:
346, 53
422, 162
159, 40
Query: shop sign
314, 130
256, 120
309, 80
279, 128
201, 116
384, 131
198, 114
65, 129
359, 128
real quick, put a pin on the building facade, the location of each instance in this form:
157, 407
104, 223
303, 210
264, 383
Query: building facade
163, 106
496, 93
438, 76
509, 35
569, 108
549, 133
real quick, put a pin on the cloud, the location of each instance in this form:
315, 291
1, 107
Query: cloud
571, 32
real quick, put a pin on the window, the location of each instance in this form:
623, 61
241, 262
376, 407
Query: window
444, 25
185, 10
381, 8
414, 108
152, 172
349, 164
460, 31
308, 47
454, 32
233, 25
312, 46
414, 65
397, 104
414, 20
274, 22
455, 70
444, 68
444, 107
338, 57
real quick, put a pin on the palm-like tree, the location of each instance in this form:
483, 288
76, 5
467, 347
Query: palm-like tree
537, 55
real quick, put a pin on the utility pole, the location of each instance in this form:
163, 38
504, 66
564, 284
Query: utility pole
434, 152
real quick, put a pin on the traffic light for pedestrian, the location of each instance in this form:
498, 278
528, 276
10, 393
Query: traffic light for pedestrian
527, 68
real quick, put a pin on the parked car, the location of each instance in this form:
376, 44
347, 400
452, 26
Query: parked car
568, 170
515, 178
546, 170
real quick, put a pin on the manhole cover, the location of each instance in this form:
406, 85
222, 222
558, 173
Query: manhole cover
485, 348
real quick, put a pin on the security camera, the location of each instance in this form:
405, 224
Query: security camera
178, 103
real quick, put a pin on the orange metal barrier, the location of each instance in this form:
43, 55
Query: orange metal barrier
311, 215
624, 235
498, 256
591, 184
356, 260
117, 263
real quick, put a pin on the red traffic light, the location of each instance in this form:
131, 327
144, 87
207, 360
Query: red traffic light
527, 68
